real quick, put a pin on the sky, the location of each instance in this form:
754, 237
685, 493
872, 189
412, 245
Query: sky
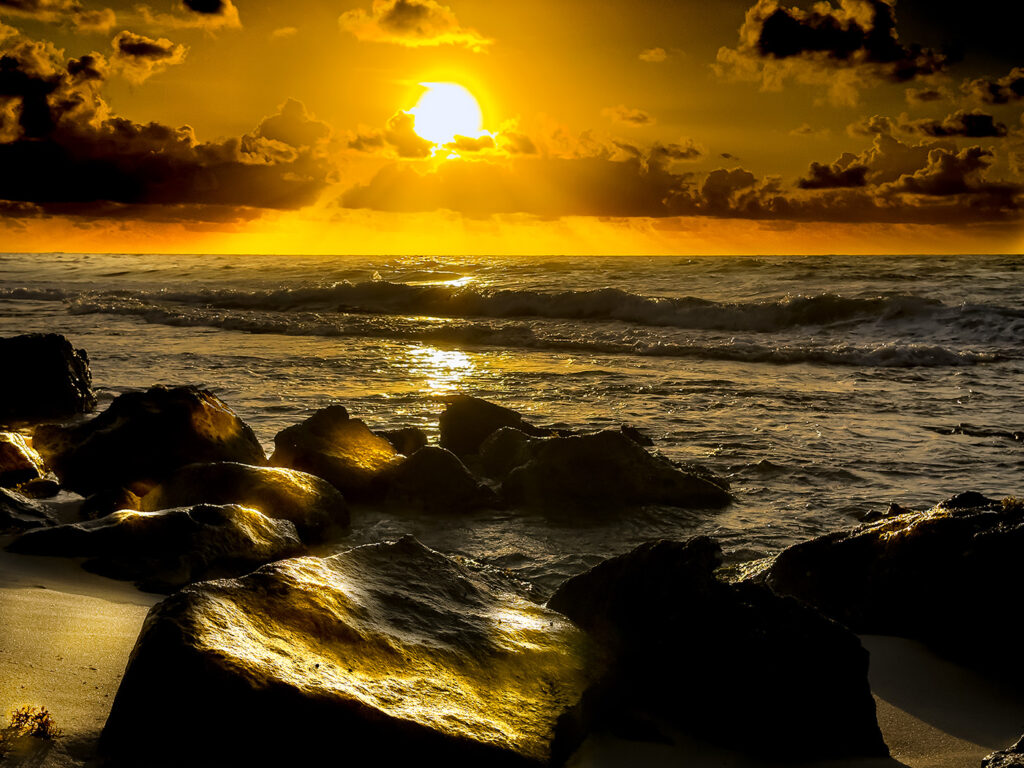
647, 127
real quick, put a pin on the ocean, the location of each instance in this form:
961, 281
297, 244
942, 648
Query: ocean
822, 387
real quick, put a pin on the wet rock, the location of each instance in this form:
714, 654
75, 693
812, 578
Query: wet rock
731, 664
468, 421
107, 501
1011, 757
19, 513
19, 462
144, 436
388, 654
311, 503
41, 487
503, 451
940, 576
165, 550
892, 510
435, 480
406, 440
636, 435
341, 450
44, 377
606, 469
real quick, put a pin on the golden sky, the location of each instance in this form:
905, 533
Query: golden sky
645, 126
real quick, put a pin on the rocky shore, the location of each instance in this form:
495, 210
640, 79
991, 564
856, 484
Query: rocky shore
264, 652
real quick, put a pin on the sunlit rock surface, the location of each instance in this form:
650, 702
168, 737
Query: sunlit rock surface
19, 462
1011, 757
385, 655
107, 501
144, 436
19, 513
606, 469
168, 549
406, 440
468, 421
341, 450
735, 665
43, 377
311, 503
435, 480
950, 576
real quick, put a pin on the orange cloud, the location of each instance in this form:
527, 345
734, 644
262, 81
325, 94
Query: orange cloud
412, 23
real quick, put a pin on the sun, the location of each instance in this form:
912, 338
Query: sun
447, 110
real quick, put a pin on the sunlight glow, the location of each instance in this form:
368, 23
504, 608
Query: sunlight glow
445, 111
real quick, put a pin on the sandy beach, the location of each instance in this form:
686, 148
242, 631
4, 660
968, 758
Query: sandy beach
65, 637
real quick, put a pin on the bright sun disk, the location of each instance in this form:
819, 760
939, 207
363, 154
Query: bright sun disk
445, 111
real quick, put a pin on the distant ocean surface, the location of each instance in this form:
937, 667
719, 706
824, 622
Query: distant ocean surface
822, 387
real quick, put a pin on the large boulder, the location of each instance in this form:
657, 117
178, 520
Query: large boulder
144, 436
468, 421
44, 378
165, 550
388, 654
341, 450
435, 480
949, 576
311, 503
19, 462
19, 513
731, 664
504, 450
1011, 757
405, 440
606, 469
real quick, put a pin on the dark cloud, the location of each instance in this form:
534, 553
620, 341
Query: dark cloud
1003, 90
411, 23
845, 172
68, 154
294, 126
399, 138
516, 143
137, 57
624, 114
66, 12
469, 144
916, 96
974, 125
194, 14
216, 7
872, 126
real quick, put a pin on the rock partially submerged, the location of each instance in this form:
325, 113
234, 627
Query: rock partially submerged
605, 469
388, 654
19, 513
144, 436
435, 480
19, 462
341, 450
941, 576
406, 440
165, 550
468, 421
732, 664
44, 378
1011, 757
311, 503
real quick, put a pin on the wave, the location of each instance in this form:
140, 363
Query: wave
518, 335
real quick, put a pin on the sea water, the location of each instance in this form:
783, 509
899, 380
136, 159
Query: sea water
823, 387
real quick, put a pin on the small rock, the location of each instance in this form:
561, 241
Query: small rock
435, 480
468, 421
19, 462
406, 440
18, 513
44, 378
112, 500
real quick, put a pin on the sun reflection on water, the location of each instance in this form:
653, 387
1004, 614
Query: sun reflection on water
440, 370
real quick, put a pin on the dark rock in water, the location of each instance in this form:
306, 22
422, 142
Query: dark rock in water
941, 576
385, 655
435, 480
468, 421
503, 451
311, 503
166, 550
107, 501
731, 664
18, 513
341, 450
891, 511
1011, 757
636, 435
606, 469
19, 462
406, 440
44, 378
144, 436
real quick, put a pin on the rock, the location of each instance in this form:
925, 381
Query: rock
731, 664
636, 435
107, 501
165, 550
892, 510
18, 513
945, 576
503, 451
406, 440
1011, 757
19, 462
468, 421
144, 436
388, 654
435, 480
312, 504
606, 469
41, 487
44, 378
341, 450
